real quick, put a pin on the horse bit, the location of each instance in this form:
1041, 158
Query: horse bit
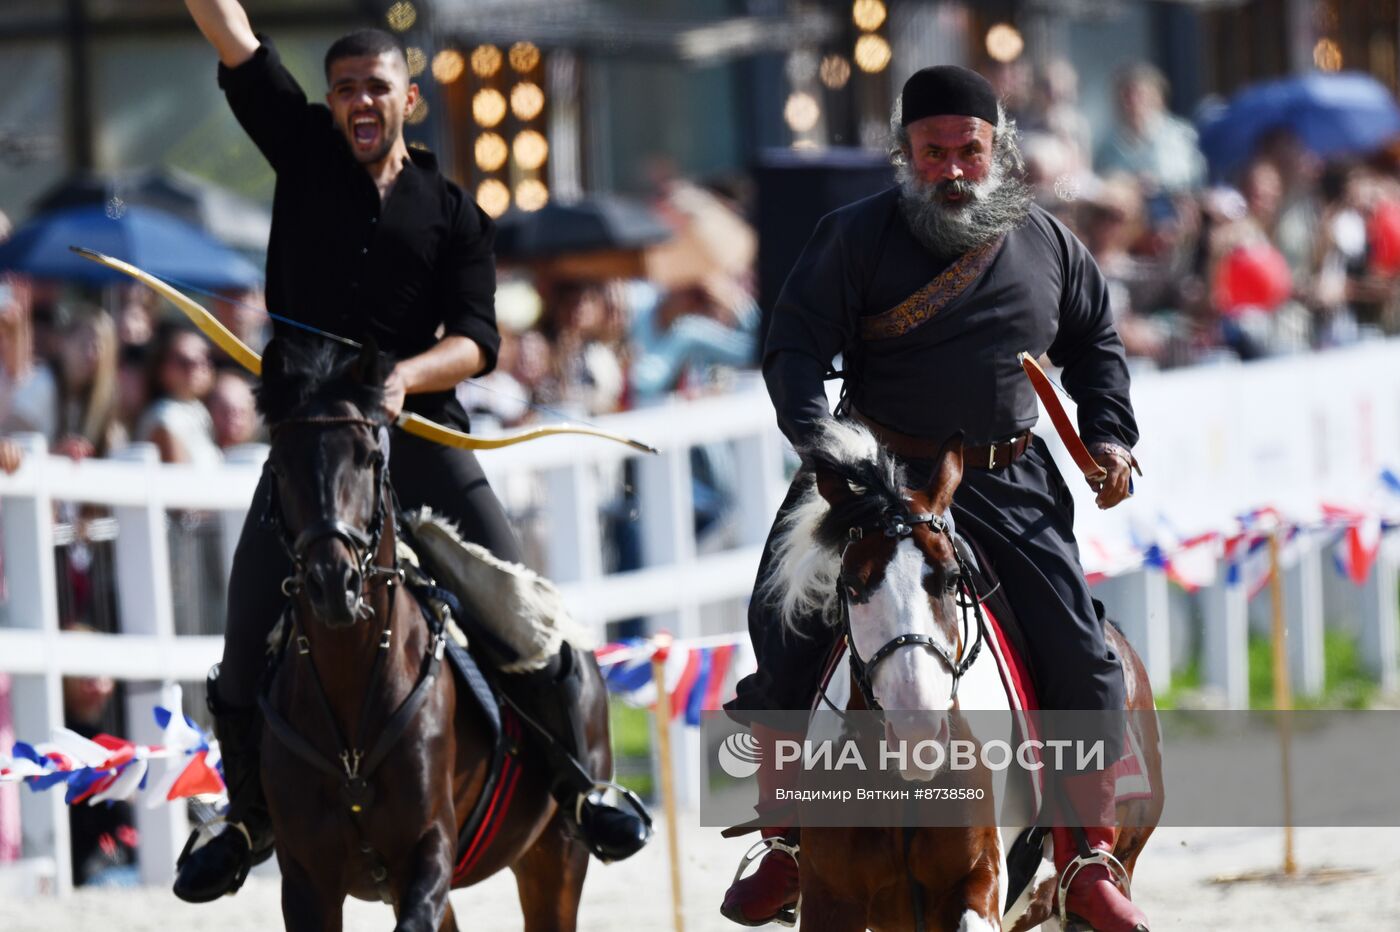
900, 526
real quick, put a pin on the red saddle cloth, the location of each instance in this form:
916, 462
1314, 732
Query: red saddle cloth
1129, 771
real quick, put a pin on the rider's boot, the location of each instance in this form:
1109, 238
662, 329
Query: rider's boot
1094, 894
220, 866
771, 892
552, 698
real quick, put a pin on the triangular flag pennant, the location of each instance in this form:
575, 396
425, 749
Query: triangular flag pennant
125, 784
197, 779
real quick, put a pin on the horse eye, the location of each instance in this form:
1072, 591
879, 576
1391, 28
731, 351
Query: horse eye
952, 585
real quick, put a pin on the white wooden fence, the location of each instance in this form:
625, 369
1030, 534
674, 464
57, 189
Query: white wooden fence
1216, 441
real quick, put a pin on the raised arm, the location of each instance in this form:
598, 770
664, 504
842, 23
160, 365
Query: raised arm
225, 24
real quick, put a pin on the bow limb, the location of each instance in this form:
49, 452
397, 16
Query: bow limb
431, 430
411, 423
199, 315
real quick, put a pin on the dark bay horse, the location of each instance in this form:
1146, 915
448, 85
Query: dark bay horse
870, 549
378, 756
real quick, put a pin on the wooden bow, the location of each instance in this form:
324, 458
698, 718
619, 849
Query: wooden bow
414, 424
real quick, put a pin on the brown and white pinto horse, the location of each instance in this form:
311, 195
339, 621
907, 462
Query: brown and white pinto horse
381, 820
866, 547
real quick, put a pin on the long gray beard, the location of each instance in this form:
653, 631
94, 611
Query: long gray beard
998, 204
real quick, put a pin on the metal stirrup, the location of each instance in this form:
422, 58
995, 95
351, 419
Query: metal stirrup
756, 851
1116, 872
600, 788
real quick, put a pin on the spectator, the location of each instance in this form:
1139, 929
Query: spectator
136, 321
1054, 112
583, 321
28, 391
498, 398
1108, 223
678, 336
177, 422
87, 423
1340, 255
532, 366
133, 386
1296, 225
243, 312
232, 410
1149, 142
1262, 188
104, 836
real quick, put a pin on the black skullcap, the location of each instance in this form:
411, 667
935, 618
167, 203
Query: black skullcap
947, 90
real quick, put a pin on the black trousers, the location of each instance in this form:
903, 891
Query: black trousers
422, 473
1023, 517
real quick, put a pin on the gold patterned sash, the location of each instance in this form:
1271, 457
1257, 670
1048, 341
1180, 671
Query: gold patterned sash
920, 307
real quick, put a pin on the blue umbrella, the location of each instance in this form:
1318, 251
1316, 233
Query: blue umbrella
1330, 114
147, 238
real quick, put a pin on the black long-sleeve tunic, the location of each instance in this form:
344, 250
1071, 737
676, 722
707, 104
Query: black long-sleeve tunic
959, 370
339, 259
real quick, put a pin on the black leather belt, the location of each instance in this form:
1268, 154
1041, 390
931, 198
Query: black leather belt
997, 455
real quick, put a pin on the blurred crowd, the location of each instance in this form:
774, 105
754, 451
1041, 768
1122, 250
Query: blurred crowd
91, 380
590, 334
578, 339
1283, 254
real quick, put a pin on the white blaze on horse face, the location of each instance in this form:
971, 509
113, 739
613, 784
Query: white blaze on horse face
912, 677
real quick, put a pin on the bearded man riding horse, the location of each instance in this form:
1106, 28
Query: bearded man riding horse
929, 291
371, 242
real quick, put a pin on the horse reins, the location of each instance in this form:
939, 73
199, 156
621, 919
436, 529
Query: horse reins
900, 526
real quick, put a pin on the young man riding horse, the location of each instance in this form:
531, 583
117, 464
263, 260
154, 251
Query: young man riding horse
929, 291
368, 240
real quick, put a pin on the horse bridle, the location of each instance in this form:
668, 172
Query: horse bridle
358, 761
898, 525
363, 545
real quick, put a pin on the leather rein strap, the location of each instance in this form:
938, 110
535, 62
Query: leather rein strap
1045, 389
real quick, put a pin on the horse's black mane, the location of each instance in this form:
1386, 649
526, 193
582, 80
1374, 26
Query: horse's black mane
298, 372
878, 485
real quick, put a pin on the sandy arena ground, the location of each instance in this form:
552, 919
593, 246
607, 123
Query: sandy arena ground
1174, 883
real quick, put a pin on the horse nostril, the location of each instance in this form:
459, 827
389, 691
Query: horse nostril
315, 592
352, 584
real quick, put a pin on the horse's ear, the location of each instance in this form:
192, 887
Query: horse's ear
373, 367
273, 361
833, 487
946, 474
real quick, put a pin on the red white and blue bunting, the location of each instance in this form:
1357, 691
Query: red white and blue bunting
106, 768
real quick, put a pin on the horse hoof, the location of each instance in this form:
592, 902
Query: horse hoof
787, 916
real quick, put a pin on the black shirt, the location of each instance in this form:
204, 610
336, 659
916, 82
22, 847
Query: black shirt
338, 259
959, 371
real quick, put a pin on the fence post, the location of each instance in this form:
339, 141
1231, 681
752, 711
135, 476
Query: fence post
1380, 618
145, 607
574, 535
1139, 602
231, 521
759, 464
1225, 641
37, 701
667, 516
1303, 598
